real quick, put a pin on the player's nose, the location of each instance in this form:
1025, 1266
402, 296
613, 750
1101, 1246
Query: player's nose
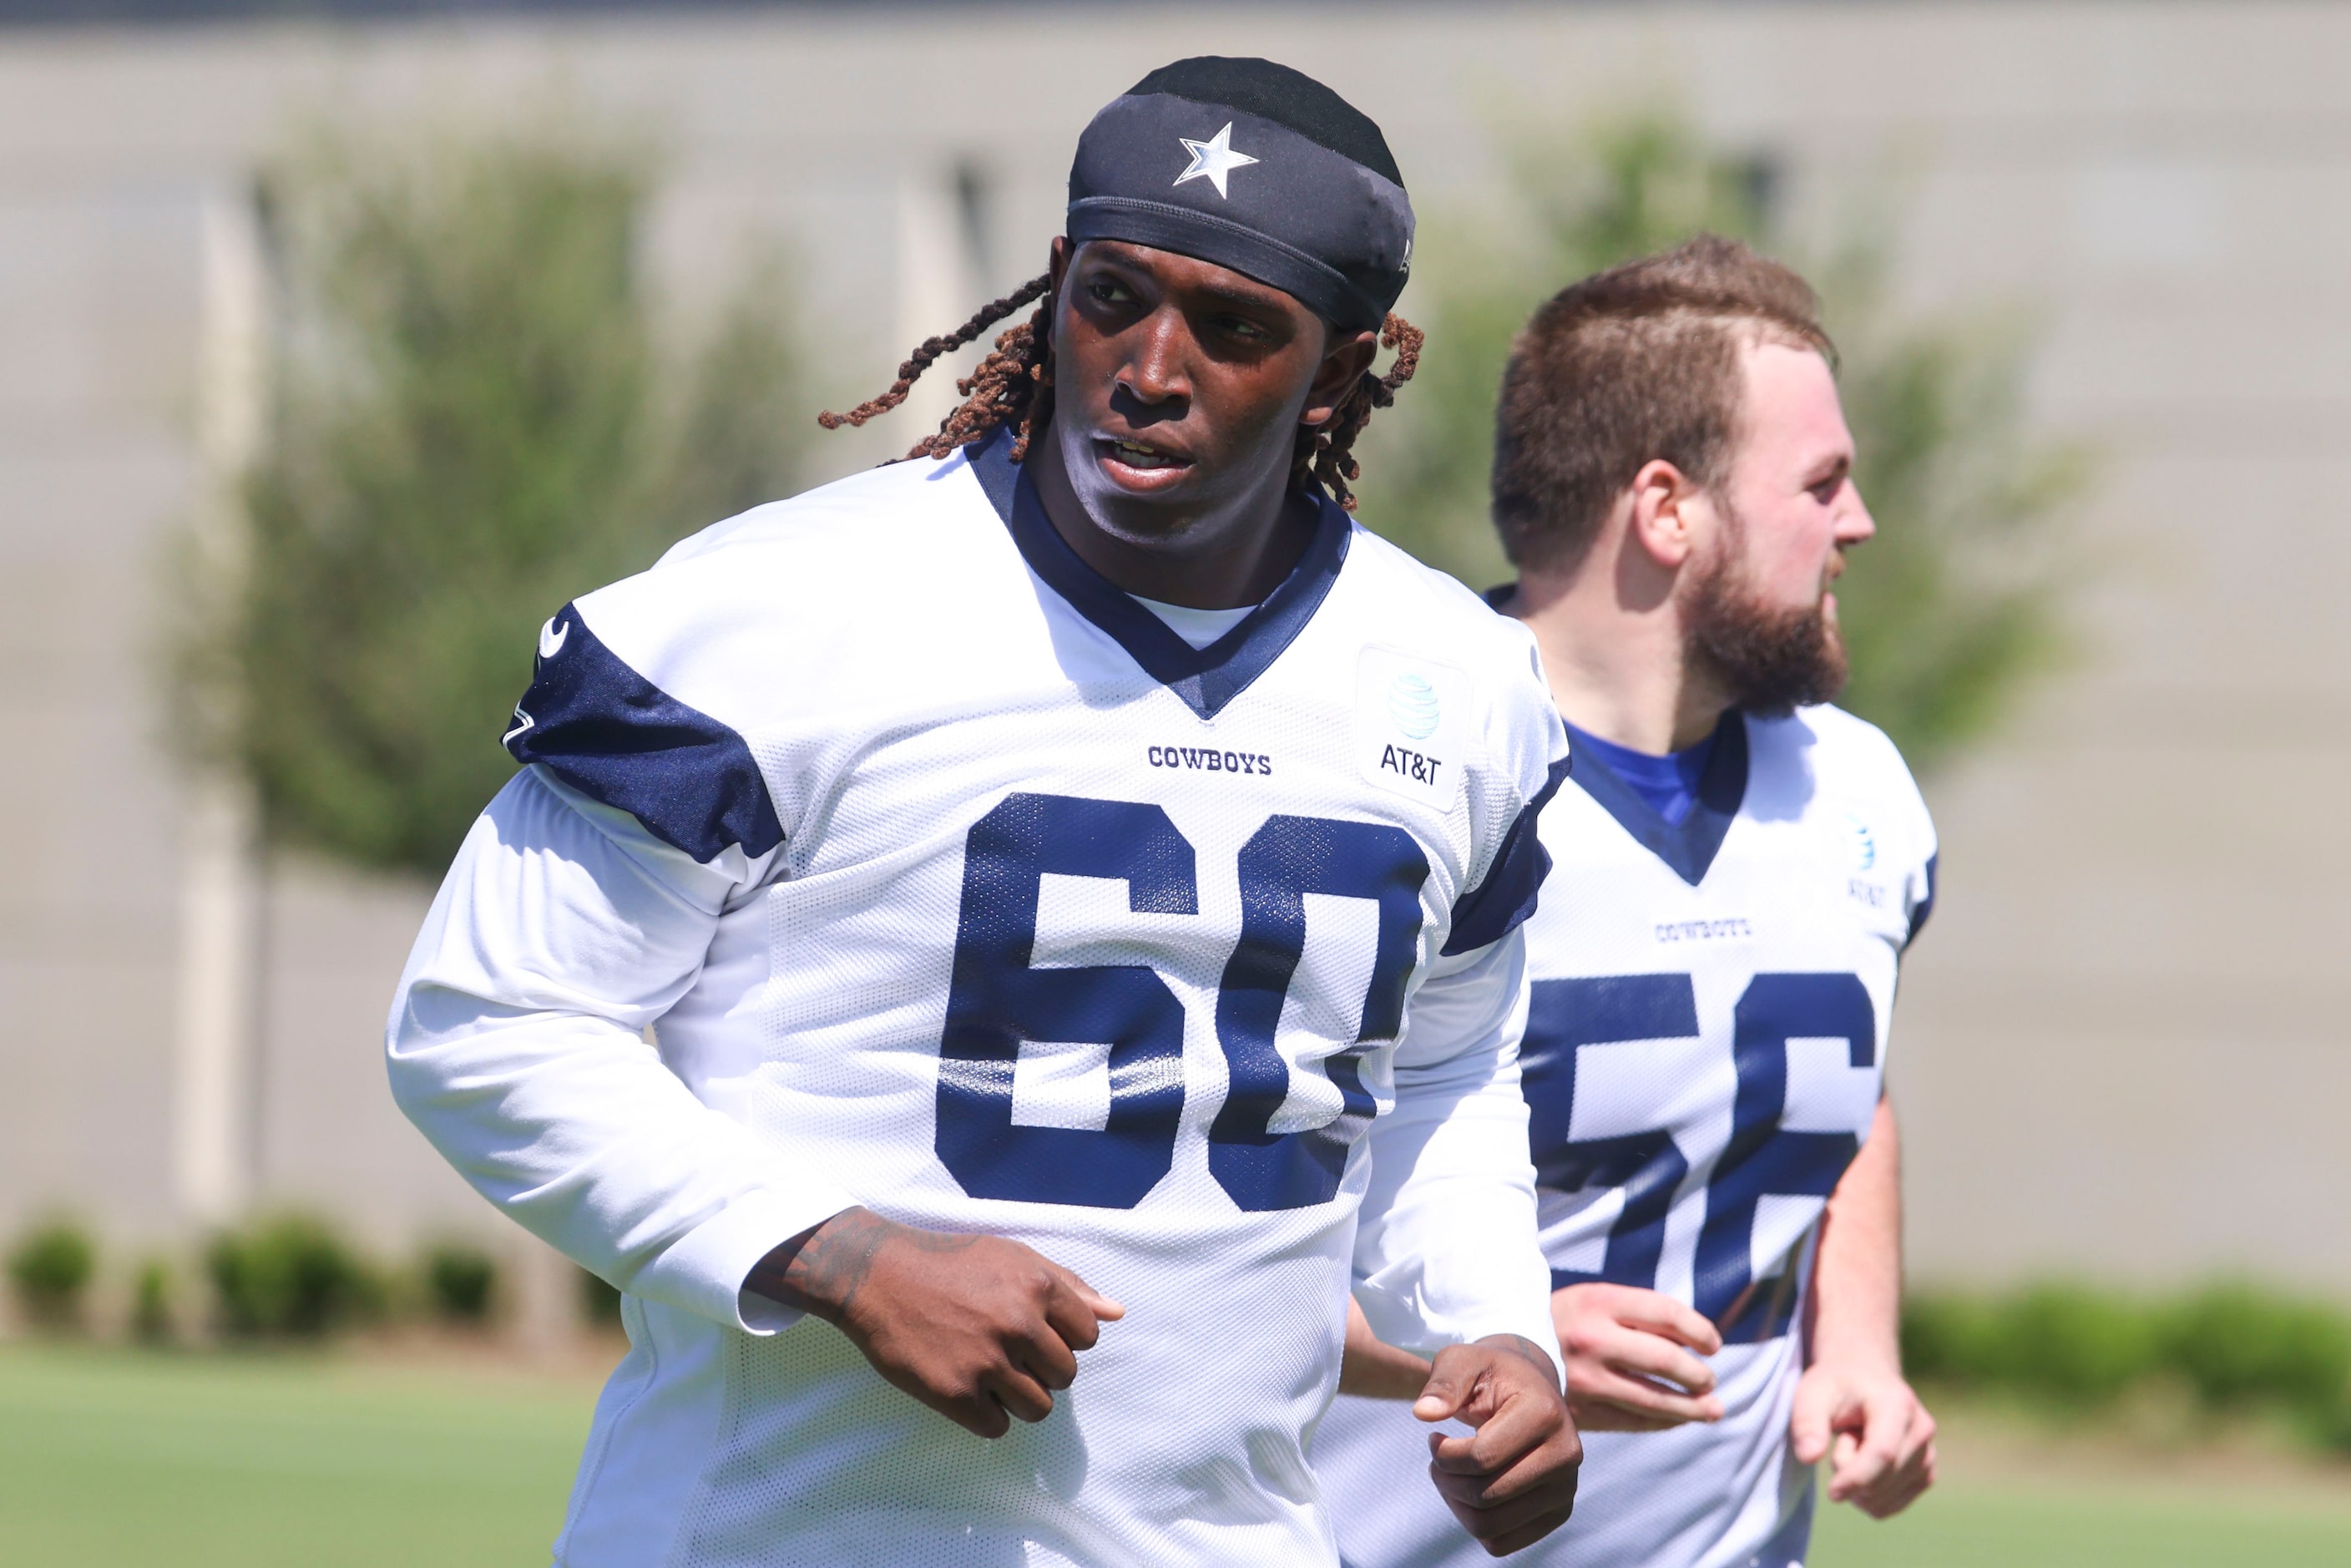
1853, 523
1153, 372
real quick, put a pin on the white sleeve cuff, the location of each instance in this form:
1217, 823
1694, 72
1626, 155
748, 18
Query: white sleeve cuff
703, 1272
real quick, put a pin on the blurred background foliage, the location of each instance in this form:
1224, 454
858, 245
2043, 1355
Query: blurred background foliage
284, 1276
478, 412
2233, 1346
2224, 1350
49, 1270
1954, 603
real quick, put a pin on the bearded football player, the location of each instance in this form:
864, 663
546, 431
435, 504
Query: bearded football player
1705, 1052
987, 954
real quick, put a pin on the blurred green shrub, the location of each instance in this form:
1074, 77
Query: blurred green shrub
600, 1302
2073, 1343
1953, 604
50, 1270
1951, 1338
2235, 1345
291, 1277
460, 1283
152, 1320
478, 413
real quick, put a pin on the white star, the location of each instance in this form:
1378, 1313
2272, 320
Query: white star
1213, 159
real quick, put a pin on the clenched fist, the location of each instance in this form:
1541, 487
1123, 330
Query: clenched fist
979, 1328
1511, 1481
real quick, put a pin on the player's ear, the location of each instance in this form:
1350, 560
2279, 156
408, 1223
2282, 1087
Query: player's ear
1057, 269
1346, 357
1668, 513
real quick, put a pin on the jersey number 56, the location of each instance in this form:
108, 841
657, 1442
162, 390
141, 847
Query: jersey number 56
1762, 1158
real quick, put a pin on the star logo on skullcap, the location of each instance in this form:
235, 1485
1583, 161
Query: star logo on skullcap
1214, 159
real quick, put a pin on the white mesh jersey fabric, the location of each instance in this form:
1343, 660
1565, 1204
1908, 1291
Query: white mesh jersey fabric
980, 793
1787, 946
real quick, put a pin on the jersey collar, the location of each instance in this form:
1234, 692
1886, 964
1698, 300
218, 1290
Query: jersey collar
1688, 848
1206, 678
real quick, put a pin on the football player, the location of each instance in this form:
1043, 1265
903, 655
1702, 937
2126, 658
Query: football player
1705, 1053
1073, 880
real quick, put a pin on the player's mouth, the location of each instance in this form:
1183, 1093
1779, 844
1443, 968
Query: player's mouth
1140, 464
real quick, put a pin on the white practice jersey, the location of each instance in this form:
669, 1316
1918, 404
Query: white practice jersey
1703, 1058
952, 882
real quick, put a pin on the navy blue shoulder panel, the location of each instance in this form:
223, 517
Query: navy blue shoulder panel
1926, 906
1690, 848
1496, 906
615, 737
1206, 678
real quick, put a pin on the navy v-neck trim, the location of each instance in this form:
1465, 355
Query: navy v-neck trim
1206, 678
1690, 848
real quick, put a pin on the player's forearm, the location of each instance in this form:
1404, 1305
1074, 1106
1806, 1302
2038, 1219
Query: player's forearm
820, 1270
1374, 1369
1446, 1251
572, 1127
515, 1046
1857, 1277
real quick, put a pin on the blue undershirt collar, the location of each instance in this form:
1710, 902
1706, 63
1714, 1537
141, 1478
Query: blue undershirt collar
1668, 783
1701, 786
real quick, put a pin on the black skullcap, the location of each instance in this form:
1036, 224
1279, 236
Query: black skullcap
1255, 167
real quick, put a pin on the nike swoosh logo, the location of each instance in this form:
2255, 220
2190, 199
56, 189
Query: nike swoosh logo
550, 639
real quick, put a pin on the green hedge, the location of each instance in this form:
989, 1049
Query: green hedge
460, 1283
50, 1270
292, 1277
2235, 1345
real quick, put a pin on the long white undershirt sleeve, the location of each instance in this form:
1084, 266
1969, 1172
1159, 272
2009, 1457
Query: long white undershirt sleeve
516, 1046
1446, 1251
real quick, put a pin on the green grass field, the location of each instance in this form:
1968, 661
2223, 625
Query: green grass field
1983, 1525
110, 1459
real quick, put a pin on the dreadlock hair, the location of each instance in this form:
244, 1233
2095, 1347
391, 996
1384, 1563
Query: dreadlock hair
1011, 386
1326, 454
1014, 386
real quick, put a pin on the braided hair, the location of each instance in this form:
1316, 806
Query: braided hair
1011, 386
1014, 386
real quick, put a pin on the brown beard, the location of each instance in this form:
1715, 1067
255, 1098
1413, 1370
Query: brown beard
1773, 660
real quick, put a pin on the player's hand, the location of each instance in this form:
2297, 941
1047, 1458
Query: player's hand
1629, 1366
979, 1328
1878, 1438
1511, 1481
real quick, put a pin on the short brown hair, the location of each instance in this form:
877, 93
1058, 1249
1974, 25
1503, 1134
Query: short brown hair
1636, 364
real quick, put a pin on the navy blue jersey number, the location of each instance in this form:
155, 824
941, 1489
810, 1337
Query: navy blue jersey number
1761, 1159
1564, 1016
995, 1001
1284, 861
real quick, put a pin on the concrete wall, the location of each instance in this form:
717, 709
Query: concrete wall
2122, 1047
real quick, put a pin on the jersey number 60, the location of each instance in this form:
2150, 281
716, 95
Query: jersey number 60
995, 1001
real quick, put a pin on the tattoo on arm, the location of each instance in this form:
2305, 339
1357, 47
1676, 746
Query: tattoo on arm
1526, 1347
820, 1272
